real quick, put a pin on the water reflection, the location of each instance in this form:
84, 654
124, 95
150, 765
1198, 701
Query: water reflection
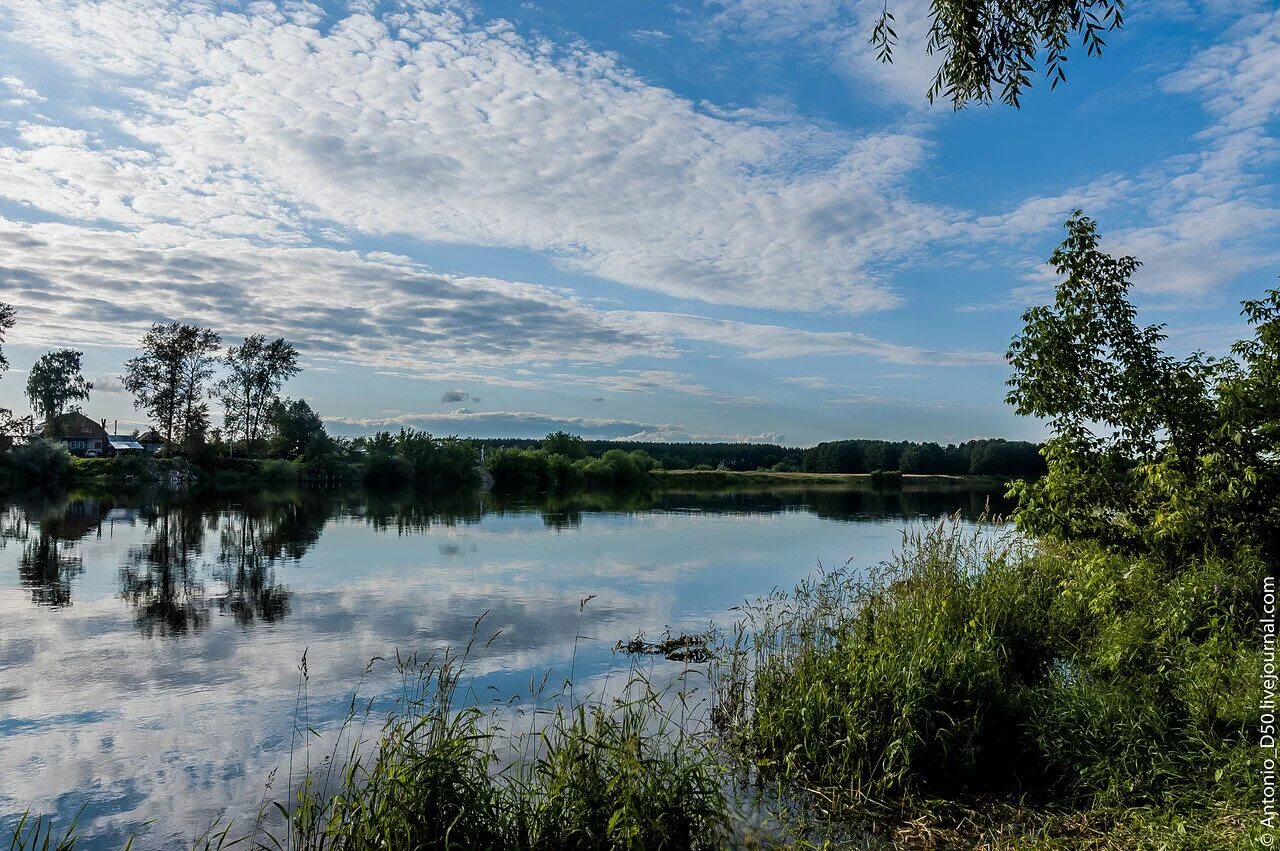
149, 646
161, 579
165, 579
50, 561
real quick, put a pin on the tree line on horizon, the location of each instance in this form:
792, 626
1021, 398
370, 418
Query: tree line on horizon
979, 457
173, 381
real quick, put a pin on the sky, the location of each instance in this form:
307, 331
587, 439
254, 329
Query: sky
684, 221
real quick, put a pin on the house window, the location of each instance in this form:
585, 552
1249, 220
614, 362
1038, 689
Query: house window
97, 444
77, 444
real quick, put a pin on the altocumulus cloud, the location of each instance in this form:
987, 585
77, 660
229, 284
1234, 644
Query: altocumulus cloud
377, 310
266, 122
373, 309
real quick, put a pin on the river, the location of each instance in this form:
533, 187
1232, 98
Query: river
150, 645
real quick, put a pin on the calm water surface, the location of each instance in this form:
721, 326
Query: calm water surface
149, 646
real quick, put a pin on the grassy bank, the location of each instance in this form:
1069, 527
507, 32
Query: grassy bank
999, 692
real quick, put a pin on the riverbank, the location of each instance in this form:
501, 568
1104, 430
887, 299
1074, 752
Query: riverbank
617, 469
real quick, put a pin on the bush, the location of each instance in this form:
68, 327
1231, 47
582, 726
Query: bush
1057, 672
614, 468
386, 471
519, 469
43, 461
278, 470
417, 457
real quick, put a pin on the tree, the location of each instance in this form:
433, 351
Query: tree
1149, 453
168, 379
54, 386
10, 425
199, 346
562, 443
8, 318
298, 429
257, 370
990, 45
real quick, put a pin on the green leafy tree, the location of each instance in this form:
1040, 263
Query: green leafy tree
990, 48
298, 430
257, 369
8, 318
169, 379
562, 443
10, 425
55, 385
1151, 453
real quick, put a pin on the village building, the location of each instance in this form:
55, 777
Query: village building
87, 438
82, 435
152, 441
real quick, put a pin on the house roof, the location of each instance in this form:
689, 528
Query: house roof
75, 424
150, 436
123, 442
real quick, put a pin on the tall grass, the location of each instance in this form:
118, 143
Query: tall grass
618, 774
977, 666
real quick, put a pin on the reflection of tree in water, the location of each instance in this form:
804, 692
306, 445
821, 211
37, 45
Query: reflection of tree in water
47, 567
909, 502
250, 546
254, 538
163, 579
410, 512
160, 579
48, 562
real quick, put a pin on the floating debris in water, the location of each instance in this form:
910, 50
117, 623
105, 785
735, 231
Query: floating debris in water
679, 648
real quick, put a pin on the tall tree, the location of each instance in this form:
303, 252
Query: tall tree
55, 384
8, 318
1154, 453
9, 424
994, 45
257, 369
298, 429
168, 379
197, 369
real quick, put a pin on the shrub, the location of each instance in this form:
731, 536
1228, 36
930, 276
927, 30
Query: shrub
278, 470
44, 461
519, 469
1057, 671
614, 468
417, 457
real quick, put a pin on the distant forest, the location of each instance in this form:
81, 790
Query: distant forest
985, 457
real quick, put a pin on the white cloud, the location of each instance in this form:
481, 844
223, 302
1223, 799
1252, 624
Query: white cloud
841, 30
679, 434
262, 125
17, 93
498, 424
1240, 79
1198, 221
77, 285
812, 382
773, 341
82, 285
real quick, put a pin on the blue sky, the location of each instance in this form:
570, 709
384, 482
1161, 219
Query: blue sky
667, 221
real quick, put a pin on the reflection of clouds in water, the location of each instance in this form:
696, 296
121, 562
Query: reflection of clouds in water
191, 749
110, 705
